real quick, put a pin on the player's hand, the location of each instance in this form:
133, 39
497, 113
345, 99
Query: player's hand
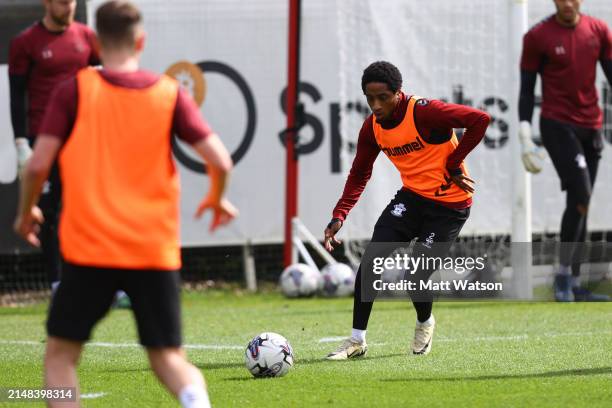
330, 234
531, 154
463, 182
223, 211
23, 153
28, 226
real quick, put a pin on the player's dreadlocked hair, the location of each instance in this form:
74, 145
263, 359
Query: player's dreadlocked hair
382, 71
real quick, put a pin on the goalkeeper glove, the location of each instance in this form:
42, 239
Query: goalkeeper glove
23, 153
530, 153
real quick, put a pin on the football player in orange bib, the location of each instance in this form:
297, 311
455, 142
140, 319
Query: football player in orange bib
417, 135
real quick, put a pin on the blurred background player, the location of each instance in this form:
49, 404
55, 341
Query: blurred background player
45, 54
119, 229
564, 49
436, 196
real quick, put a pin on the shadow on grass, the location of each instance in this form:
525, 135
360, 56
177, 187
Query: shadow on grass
548, 374
306, 361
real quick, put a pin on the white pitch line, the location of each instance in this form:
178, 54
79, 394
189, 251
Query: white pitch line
129, 345
495, 338
331, 339
93, 395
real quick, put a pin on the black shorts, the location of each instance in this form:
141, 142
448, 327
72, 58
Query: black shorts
575, 152
86, 294
410, 216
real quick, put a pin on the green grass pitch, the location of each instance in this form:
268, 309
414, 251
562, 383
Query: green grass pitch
484, 355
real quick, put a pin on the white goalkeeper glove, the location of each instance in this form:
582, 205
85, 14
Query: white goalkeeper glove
23, 153
531, 154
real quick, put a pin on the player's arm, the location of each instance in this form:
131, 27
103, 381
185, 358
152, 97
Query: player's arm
19, 65
29, 216
436, 119
360, 173
606, 65
57, 124
605, 56
190, 127
531, 61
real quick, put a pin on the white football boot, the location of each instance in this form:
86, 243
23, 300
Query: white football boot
349, 348
423, 337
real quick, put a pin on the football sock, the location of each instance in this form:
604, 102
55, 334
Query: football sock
427, 322
194, 396
358, 335
423, 310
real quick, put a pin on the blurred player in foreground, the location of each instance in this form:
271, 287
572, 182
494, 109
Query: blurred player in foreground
119, 224
564, 49
417, 136
40, 57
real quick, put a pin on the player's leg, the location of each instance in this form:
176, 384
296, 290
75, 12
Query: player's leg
83, 297
49, 203
567, 155
155, 297
398, 222
61, 360
180, 377
592, 144
440, 228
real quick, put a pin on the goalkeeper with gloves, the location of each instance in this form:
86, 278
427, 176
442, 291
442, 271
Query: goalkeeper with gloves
564, 49
48, 52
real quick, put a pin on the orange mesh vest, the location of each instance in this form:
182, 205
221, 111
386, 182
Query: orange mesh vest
120, 198
421, 165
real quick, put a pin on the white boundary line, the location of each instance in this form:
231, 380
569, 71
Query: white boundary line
93, 395
129, 345
332, 339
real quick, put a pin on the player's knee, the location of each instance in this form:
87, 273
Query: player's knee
63, 352
162, 357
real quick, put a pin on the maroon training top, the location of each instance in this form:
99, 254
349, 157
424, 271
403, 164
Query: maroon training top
434, 121
59, 118
566, 58
48, 58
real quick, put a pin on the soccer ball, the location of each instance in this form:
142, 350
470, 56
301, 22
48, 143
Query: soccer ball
299, 280
268, 355
338, 280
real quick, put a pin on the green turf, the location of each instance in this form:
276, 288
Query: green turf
484, 355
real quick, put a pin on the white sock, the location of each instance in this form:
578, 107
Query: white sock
194, 396
358, 335
427, 322
576, 281
54, 286
565, 270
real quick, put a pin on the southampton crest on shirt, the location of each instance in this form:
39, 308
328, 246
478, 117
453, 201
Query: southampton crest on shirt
398, 210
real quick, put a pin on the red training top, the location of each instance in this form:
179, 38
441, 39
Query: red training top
48, 58
566, 58
434, 121
187, 122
